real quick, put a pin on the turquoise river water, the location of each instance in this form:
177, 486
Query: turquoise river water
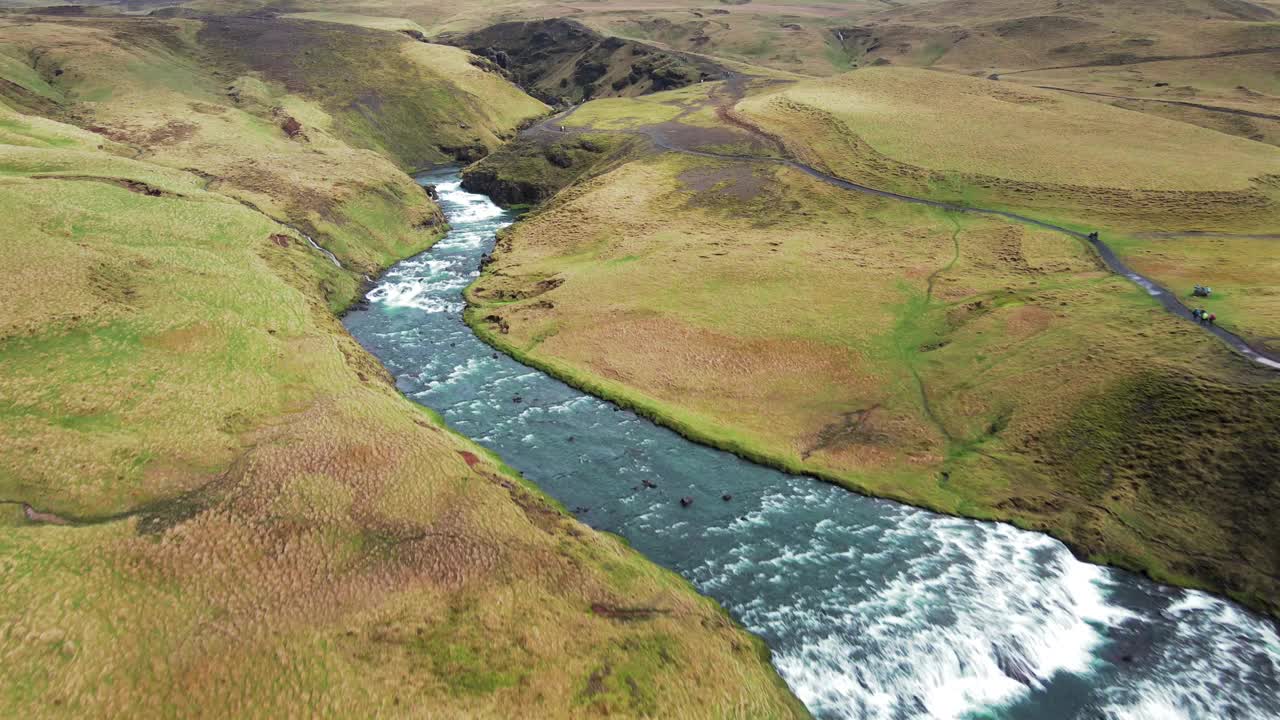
872, 609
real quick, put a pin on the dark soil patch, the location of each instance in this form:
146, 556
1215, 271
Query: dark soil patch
133, 186
677, 135
171, 133
1039, 26
626, 614
851, 429
563, 62
738, 181
595, 681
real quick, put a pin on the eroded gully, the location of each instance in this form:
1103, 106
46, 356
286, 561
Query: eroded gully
872, 609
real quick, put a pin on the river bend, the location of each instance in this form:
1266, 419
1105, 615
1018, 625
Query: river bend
872, 609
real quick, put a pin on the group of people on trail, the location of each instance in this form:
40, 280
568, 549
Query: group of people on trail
1200, 314
1203, 316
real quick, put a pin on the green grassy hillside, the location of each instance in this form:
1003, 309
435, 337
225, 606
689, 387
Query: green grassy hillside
381, 87
215, 503
977, 366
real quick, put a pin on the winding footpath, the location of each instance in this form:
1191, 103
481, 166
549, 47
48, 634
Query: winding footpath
872, 610
736, 85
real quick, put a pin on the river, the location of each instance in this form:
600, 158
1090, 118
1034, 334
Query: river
872, 609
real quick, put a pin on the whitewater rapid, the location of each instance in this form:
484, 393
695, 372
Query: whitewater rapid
872, 609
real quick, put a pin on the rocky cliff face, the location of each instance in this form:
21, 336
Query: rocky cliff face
532, 169
562, 62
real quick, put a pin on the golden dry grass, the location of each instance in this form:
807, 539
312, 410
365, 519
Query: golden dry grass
1246, 82
1214, 93
1241, 270
952, 124
1001, 35
1045, 154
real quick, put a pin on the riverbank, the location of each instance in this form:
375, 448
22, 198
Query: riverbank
865, 603
673, 418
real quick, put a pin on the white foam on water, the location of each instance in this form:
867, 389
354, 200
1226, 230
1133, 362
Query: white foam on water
740, 524
465, 207
467, 369
415, 293
792, 556
1191, 601
1219, 664
1153, 705
415, 266
944, 636
316, 246
569, 405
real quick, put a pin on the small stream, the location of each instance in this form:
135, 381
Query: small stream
872, 609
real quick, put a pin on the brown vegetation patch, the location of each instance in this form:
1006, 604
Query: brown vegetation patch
1027, 320
625, 614
738, 366
207, 108
853, 428
169, 133
522, 292
1041, 25
42, 518
113, 284
181, 339
448, 559
1017, 98
738, 181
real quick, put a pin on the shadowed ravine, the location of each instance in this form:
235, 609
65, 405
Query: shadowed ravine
872, 609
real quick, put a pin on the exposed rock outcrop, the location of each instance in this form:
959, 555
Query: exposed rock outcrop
562, 62
532, 169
